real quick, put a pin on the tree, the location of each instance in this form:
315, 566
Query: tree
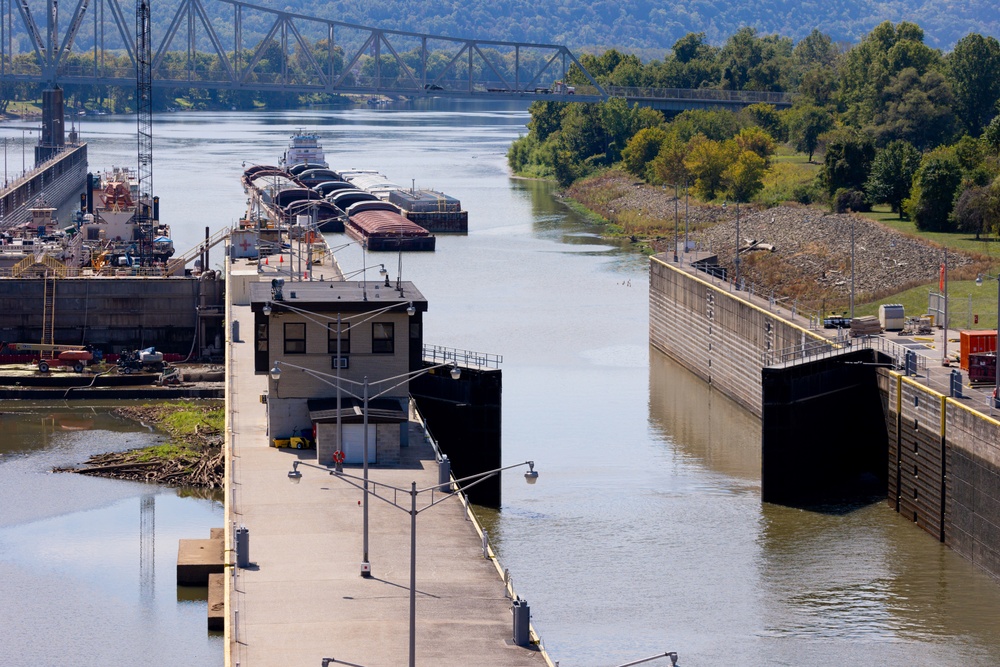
744, 178
973, 210
805, 125
707, 161
766, 117
934, 187
992, 134
892, 173
757, 141
641, 149
972, 69
916, 108
668, 165
848, 160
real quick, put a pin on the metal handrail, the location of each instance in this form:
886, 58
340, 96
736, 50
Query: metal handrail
438, 354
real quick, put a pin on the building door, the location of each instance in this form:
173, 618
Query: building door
354, 443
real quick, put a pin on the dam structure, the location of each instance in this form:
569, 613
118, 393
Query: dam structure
842, 419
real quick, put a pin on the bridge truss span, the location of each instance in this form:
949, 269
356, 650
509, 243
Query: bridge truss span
234, 45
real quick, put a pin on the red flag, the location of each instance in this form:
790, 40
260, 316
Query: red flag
941, 279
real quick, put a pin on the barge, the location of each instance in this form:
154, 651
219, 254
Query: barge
380, 226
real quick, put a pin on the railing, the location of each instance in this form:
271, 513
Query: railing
437, 354
693, 94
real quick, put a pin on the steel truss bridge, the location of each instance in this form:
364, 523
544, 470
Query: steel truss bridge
232, 45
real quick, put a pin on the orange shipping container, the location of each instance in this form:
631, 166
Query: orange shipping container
973, 342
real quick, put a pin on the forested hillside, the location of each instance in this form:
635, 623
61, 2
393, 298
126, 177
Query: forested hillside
656, 24
895, 122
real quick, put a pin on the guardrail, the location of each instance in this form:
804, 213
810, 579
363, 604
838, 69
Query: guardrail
437, 354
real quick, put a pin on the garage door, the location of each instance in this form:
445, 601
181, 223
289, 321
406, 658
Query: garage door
354, 443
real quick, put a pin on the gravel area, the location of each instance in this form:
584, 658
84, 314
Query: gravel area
798, 251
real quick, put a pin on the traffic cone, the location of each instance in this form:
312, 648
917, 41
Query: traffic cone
267, 261
281, 259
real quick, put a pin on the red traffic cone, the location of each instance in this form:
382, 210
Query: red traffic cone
267, 261
281, 259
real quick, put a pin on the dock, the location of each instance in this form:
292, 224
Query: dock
300, 598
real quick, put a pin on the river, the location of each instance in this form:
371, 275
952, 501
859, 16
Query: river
645, 532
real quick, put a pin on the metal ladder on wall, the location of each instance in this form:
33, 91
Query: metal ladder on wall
49, 312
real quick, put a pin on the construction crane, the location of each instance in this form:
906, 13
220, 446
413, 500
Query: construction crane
144, 119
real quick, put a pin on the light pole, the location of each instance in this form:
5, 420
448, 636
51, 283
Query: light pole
852, 267
996, 355
736, 260
676, 221
365, 398
530, 476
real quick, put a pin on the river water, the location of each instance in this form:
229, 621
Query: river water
645, 532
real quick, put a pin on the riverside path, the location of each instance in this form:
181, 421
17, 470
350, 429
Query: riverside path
302, 600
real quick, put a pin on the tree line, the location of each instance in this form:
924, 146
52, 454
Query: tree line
896, 121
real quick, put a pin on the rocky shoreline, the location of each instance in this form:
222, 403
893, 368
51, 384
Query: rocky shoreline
193, 459
799, 252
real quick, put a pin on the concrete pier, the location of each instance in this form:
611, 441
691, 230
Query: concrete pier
302, 599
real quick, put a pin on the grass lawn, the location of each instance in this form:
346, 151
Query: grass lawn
986, 246
983, 303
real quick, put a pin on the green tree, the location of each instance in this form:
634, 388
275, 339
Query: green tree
707, 161
974, 210
972, 70
744, 177
805, 125
668, 165
766, 117
641, 149
892, 174
916, 108
992, 134
933, 193
848, 160
756, 141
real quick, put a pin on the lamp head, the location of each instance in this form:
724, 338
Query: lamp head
275, 372
456, 372
979, 280
531, 476
410, 310
266, 310
382, 271
673, 657
294, 476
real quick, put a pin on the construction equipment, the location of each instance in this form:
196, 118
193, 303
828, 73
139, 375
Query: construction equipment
77, 356
136, 361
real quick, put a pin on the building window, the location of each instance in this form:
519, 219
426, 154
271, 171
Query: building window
295, 337
345, 338
262, 337
383, 338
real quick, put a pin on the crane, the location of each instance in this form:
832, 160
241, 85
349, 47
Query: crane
144, 119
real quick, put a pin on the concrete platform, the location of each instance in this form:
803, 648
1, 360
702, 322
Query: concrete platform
196, 559
304, 599
216, 602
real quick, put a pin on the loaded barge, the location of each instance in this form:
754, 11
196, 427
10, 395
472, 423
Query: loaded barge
362, 203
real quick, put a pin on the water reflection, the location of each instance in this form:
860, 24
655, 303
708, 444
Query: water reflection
88, 564
700, 422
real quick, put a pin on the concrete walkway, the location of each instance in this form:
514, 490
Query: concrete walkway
303, 598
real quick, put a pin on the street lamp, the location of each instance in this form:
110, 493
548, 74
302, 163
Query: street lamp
996, 354
669, 654
365, 398
530, 476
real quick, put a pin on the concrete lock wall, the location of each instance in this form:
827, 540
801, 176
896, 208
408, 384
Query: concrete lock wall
942, 459
944, 468
714, 333
109, 313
